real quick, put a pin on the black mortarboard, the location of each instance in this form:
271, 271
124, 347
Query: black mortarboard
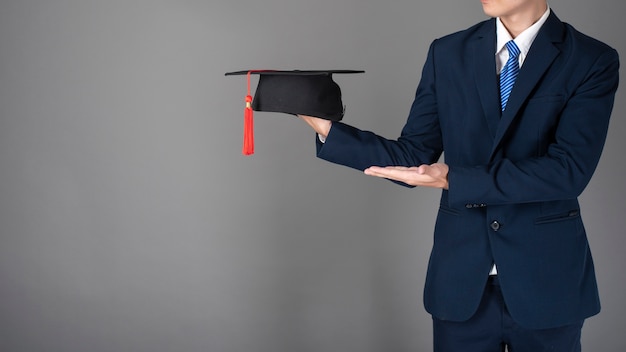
312, 93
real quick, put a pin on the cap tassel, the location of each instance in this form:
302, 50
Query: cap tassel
248, 128
248, 124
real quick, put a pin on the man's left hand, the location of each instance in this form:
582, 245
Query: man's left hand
434, 175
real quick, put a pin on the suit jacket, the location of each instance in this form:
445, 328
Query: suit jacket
514, 176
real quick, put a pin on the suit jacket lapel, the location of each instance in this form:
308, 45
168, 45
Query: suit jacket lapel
485, 76
541, 55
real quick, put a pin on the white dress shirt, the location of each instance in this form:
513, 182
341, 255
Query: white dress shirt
523, 41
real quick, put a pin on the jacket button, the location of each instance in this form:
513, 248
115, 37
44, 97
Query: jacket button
495, 226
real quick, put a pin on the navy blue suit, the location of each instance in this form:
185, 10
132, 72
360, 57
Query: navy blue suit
514, 176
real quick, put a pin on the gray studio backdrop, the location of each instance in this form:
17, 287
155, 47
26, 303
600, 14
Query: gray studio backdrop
129, 220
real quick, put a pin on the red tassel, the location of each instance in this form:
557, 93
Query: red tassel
248, 128
248, 124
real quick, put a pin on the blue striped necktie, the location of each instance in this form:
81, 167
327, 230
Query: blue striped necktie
509, 73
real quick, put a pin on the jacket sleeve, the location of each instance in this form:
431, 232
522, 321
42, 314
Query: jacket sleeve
419, 143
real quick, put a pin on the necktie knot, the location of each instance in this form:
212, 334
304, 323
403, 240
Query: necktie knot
513, 49
509, 73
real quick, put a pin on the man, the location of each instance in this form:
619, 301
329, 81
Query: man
510, 265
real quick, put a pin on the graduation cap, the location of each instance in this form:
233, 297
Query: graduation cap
296, 92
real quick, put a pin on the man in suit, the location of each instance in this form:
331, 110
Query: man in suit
510, 265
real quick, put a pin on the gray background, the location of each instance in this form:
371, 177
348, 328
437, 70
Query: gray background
129, 221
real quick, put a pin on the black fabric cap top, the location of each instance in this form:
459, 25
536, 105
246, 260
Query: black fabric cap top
312, 93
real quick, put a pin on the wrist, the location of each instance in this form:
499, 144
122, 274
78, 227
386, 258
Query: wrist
323, 128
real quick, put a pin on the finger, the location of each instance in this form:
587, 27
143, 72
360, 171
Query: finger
387, 168
391, 172
376, 171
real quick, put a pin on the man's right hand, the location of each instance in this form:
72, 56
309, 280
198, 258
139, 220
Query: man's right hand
321, 126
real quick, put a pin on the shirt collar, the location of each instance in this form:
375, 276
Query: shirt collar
524, 40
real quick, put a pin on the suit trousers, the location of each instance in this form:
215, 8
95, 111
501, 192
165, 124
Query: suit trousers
491, 329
